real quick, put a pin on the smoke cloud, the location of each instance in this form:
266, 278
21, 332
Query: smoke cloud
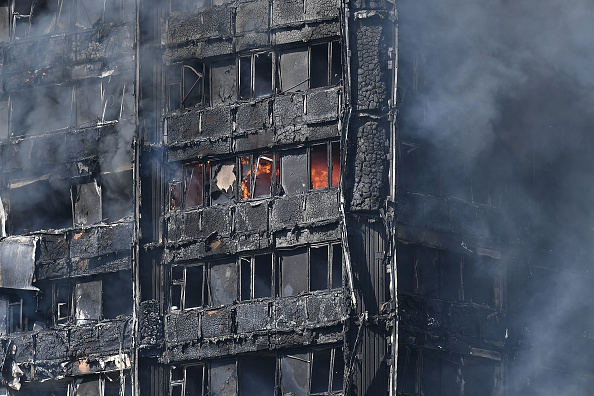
508, 87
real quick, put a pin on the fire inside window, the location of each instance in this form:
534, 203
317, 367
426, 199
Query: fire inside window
257, 172
261, 175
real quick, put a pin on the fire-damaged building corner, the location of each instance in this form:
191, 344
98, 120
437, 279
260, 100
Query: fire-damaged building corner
240, 197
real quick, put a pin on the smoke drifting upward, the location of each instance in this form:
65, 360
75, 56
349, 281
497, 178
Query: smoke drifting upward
508, 87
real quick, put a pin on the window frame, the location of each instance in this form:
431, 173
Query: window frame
183, 382
252, 275
183, 284
330, 53
241, 86
175, 74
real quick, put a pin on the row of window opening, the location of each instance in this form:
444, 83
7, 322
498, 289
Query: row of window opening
261, 174
283, 273
317, 371
252, 76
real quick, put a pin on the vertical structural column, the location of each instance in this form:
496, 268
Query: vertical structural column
368, 192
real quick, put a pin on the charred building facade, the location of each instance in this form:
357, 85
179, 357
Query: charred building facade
276, 197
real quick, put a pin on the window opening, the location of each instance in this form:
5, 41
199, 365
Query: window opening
223, 283
222, 184
315, 66
185, 85
187, 286
88, 302
256, 276
257, 375
188, 184
319, 166
255, 75
256, 175
187, 380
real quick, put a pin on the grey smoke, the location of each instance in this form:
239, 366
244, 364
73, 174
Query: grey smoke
508, 86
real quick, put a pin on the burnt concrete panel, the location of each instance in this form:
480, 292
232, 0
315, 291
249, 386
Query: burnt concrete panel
253, 317
253, 116
251, 218
251, 40
286, 212
325, 309
182, 326
252, 16
101, 240
114, 336
307, 33
183, 127
216, 219
217, 323
212, 23
321, 106
288, 109
321, 207
216, 122
253, 140
321, 9
370, 166
304, 133
199, 50
199, 149
289, 313
370, 54
25, 347
51, 345
302, 236
100, 265
52, 247
287, 12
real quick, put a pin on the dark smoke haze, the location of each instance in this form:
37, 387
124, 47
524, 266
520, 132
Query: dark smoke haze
508, 86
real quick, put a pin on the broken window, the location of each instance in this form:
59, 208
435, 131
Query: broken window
259, 175
256, 276
187, 186
187, 286
255, 75
86, 200
89, 13
222, 185
310, 67
18, 312
103, 100
257, 375
87, 302
324, 165
185, 85
187, 381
